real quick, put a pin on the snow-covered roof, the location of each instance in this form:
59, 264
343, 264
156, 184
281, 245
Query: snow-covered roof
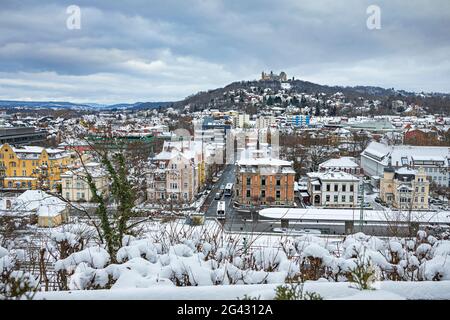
263, 162
39, 201
405, 154
350, 215
333, 175
343, 162
95, 169
405, 170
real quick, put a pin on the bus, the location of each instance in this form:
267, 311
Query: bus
228, 189
221, 210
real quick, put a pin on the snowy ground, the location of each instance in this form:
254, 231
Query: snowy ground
386, 290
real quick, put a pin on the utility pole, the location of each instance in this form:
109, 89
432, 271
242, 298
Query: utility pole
361, 213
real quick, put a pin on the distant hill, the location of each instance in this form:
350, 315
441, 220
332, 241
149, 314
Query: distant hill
80, 106
437, 102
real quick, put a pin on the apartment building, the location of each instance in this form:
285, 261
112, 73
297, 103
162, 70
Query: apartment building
173, 177
434, 160
333, 189
242, 120
31, 167
405, 188
74, 186
264, 181
264, 122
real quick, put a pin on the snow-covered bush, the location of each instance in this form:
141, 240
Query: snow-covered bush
197, 256
14, 283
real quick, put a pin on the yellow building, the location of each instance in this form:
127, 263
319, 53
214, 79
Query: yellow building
405, 188
30, 167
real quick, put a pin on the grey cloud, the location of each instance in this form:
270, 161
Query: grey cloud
152, 50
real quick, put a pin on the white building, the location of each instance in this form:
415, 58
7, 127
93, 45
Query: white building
263, 122
74, 183
175, 173
241, 120
333, 189
435, 160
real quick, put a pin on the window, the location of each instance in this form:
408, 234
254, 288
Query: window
317, 187
336, 187
344, 188
67, 195
352, 188
15, 173
24, 173
23, 164
351, 199
278, 194
174, 166
78, 196
263, 181
185, 195
423, 189
248, 181
336, 199
328, 187
248, 193
327, 198
278, 181
263, 193
343, 199
82, 195
185, 185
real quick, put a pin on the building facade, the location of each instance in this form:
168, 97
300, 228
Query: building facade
333, 189
30, 167
405, 189
264, 182
434, 160
173, 177
74, 186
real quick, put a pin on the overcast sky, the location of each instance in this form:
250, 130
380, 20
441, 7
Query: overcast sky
166, 50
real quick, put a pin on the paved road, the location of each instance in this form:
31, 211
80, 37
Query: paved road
226, 177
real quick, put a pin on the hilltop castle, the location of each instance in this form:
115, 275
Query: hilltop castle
272, 76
